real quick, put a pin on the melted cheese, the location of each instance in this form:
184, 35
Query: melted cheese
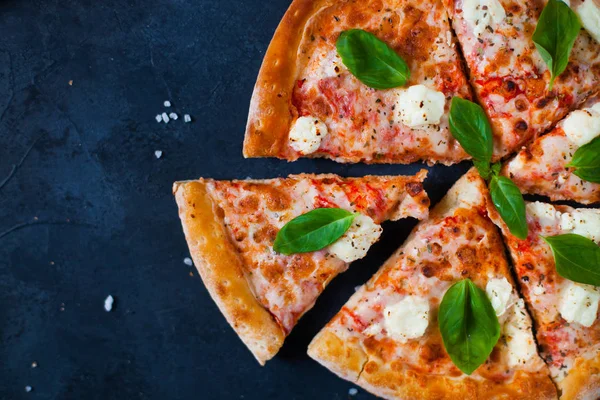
584, 222
499, 292
481, 14
519, 337
419, 105
579, 303
407, 319
356, 241
306, 135
589, 13
545, 214
582, 126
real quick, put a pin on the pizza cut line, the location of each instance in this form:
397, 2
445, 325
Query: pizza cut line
230, 227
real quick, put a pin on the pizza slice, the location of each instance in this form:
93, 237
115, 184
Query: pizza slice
565, 312
387, 337
231, 226
509, 76
307, 103
542, 169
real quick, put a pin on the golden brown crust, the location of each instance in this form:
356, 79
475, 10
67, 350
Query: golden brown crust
583, 381
270, 113
220, 267
392, 381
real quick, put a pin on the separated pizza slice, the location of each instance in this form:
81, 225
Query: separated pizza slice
565, 312
234, 232
388, 340
507, 71
355, 81
565, 163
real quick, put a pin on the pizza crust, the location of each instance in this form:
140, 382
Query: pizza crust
583, 381
220, 268
271, 112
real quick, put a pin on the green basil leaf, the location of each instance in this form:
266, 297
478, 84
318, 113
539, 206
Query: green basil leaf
554, 36
577, 258
313, 231
586, 160
372, 61
484, 168
496, 168
468, 324
508, 200
470, 126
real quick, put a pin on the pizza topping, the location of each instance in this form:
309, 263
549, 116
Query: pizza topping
576, 258
584, 222
519, 339
483, 14
499, 292
355, 243
419, 105
589, 13
579, 303
582, 126
407, 319
306, 135
543, 213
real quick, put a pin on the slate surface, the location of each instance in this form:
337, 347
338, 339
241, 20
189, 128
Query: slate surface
86, 208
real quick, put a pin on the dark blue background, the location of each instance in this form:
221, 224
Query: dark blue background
86, 209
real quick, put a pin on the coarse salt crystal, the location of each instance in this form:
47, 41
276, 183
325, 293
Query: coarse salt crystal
28, 388
173, 116
353, 391
108, 303
188, 261
187, 118
165, 117
158, 118
167, 103
158, 153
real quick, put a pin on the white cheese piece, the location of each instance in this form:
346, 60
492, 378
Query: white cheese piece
589, 13
582, 126
306, 135
479, 14
596, 107
584, 222
579, 303
372, 330
544, 213
407, 319
419, 105
357, 240
519, 336
499, 291
108, 303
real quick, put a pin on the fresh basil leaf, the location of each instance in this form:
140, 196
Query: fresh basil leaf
484, 168
508, 200
496, 168
586, 160
470, 126
313, 231
577, 258
372, 61
555, 35
468, 324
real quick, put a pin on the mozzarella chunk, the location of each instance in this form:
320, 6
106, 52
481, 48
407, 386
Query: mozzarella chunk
480, 14
543, 213
407, 319
357, 240
420, 105
306, 135
582, 126
589, 13
584, 222
519, 336
579, 303
499, 291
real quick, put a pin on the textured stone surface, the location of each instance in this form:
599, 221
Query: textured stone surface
86, 208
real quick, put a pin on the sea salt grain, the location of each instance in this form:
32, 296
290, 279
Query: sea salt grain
353, 392
108, 303
28, 388
158, 153
187, 118
165, 117
167, 103
173, 116
158, 118
188, 261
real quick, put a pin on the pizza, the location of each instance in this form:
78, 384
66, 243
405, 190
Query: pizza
541, 167
387, 339
230, 227
509, 76
306, 103
565, 313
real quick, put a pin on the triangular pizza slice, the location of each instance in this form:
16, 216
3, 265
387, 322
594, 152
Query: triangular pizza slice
387, 338
541, 168
565, 312
230, 227
307, 103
